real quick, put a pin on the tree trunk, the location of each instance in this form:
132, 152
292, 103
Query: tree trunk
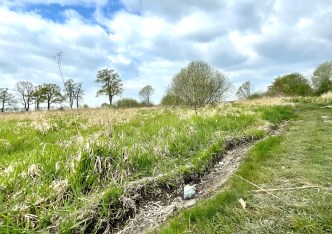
77, 103
48, 105
110, 98
37, 104
3, 106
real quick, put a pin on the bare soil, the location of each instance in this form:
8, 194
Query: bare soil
153, 210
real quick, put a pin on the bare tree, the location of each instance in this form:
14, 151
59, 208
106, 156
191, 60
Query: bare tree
78, 93
25, 90
70, 91
112, 84
145, 93
6, 98
245, 90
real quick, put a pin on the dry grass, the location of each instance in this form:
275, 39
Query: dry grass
265, 101
327, 96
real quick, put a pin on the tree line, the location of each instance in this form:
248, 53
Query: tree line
195, 86
29, 95
294, 84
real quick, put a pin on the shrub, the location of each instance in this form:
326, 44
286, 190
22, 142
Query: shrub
127, 103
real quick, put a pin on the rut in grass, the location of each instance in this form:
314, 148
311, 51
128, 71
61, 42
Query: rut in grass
150, 210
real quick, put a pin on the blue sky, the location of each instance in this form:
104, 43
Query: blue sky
148, 41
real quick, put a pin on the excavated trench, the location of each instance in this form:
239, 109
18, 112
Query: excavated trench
150, 201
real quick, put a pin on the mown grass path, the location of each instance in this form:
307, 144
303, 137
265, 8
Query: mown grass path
301, 157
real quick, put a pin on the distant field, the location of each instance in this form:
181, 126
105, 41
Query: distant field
69, 171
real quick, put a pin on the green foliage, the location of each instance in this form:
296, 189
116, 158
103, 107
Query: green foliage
127, 103
322, 78
257, 95
38, 96
199, 85
105, 105
52, 93
170, 100
294, 84
111, 83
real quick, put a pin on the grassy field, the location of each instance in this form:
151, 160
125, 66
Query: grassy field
69, 171
294, 168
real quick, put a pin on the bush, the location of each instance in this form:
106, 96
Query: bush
105, 105
127, 103
199, 85
294, 84
170, 100
257, 95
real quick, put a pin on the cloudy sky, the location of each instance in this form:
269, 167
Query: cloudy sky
148, 41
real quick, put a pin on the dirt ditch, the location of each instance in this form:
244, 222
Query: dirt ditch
150, 201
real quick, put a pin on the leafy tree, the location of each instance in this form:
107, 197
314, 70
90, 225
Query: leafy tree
52, 94
38, 96
127, 103
245, 90
25, 90
199, 85
145, 93
78, 93
111, 83
6, 98
322, 78
294, 84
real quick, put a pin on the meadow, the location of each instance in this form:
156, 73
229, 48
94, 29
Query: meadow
80, 170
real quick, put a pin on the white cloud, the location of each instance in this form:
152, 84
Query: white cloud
148, 41
29, 42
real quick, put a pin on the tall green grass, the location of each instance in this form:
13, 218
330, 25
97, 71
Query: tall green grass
57, 169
